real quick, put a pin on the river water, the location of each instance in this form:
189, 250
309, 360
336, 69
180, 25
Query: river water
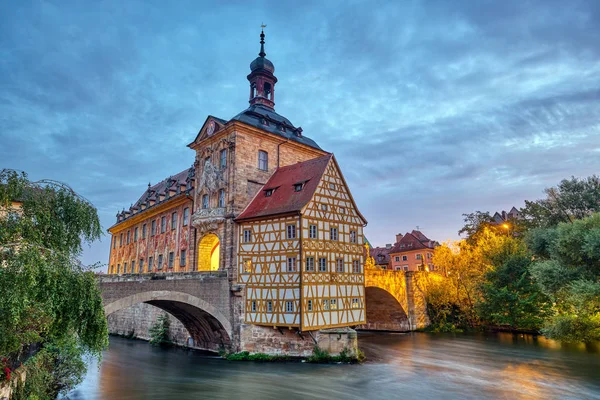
399, 366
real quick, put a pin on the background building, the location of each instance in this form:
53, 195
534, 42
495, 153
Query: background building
413, 252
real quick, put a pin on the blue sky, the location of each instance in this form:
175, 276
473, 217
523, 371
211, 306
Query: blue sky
432, 108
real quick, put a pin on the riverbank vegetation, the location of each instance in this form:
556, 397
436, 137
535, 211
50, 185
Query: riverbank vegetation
539, 274
318, 356
51, 313
159, 332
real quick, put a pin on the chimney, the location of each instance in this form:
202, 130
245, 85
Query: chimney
388, 246
398, 237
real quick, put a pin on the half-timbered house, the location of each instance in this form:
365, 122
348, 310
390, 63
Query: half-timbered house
301, 250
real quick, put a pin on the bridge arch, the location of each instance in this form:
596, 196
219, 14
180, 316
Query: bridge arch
209, 328
384, 312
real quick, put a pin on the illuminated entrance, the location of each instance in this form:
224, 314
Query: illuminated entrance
208, 253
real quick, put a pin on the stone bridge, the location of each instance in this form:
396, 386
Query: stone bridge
201, 301
395, 300
204, 304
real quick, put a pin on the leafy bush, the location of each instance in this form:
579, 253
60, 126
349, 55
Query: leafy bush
159, 332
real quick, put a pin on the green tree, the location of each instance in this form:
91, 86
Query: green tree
50, 305
567, 268
474, 222
509, 296
570, 200
159, 332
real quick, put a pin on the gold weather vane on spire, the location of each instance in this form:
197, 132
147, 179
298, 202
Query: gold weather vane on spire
263, 26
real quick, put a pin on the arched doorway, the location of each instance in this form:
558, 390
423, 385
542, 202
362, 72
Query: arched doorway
209, 249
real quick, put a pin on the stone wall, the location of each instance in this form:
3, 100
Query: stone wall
136, 321
268, 340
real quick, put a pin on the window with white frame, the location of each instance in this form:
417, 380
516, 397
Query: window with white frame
325, 304
247, 235
289, 306
312, 232
144, 231
333, 304
205, 201
128, 235
291, 264
247, 263
291, 231
253, 305
135, 234
333, 233
133, 266
324, 207
163, 224
263, 160
310, 264
141, 266
418, 256
339, 265
174, 220
150, 263
171, 259
322, 264
160, 261
309, 305
404, 258
221, 198
356, 266
355, 303
124, 268
397, 258
352, 236
182, 260
186, 216
223, 158
269, 306
153, 228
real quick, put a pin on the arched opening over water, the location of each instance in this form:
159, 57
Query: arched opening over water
207, 326
209, 248
384, 312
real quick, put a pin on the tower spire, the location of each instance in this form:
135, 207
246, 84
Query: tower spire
262, 80
262, 40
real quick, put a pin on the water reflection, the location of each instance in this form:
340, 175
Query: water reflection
399, 366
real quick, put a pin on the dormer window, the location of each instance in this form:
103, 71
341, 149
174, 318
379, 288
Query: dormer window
298, 187
269, 192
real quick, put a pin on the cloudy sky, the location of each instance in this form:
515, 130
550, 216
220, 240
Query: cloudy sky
433, 108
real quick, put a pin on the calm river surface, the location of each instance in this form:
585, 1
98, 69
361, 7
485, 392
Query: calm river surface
400, 366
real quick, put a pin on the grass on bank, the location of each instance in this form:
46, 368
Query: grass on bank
318, 356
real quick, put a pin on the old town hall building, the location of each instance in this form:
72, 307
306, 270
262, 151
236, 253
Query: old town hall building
266, 204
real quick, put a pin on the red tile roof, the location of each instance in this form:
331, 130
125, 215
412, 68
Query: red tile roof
381, 255
285, 199
413, 241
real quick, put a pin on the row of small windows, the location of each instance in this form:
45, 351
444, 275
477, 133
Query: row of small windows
263, 159
417, 257
312, 263
220, 201
150, 266
163, 228
222, 158
327, 305
313, 233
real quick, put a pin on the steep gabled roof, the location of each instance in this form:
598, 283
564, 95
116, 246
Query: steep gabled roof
411, 241
419, 235
284, 199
